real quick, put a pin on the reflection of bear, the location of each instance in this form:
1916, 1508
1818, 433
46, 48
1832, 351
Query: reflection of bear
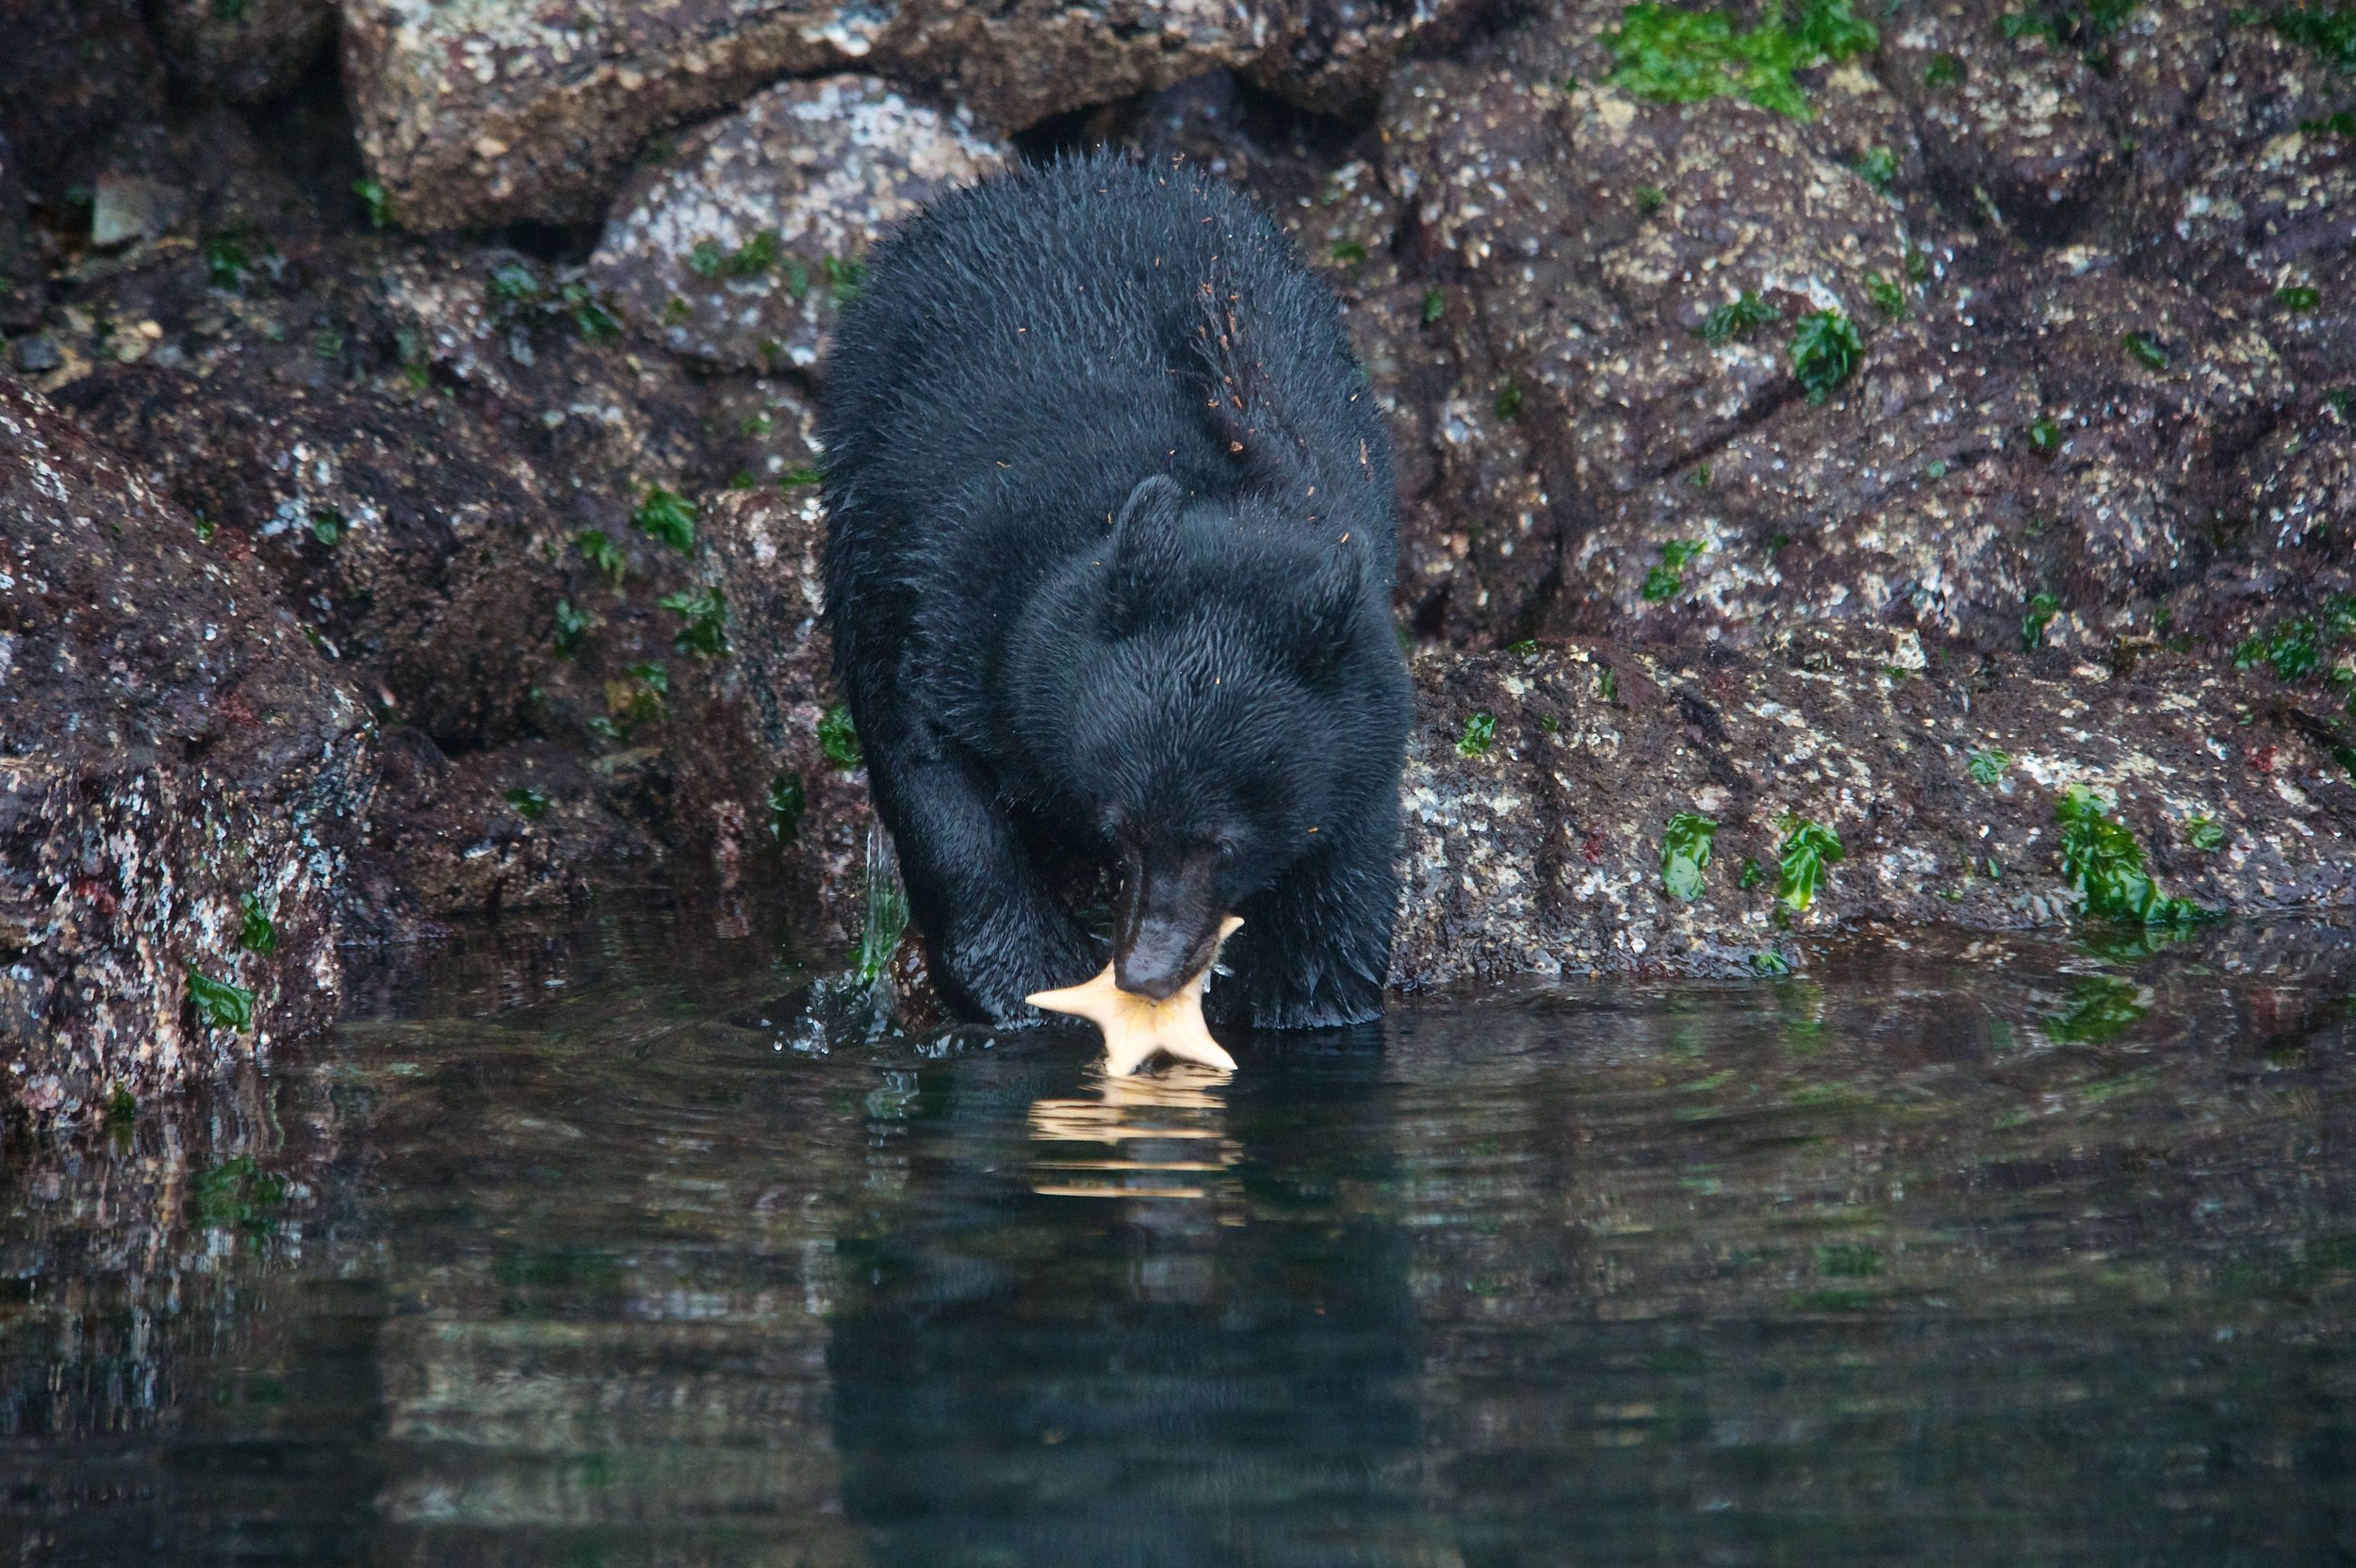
1109, 577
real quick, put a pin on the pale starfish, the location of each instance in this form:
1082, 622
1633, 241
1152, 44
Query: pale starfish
1137, 1028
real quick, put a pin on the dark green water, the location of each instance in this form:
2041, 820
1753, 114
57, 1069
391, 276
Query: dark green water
1998, 1253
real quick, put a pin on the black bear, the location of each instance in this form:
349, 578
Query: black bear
1109, 576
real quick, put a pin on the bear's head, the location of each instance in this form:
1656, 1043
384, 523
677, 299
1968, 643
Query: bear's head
1216, 686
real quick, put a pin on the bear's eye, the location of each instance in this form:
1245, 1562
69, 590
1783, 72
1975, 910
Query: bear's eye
1226, 848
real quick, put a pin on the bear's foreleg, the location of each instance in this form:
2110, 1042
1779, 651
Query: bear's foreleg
995, 931
1314, 949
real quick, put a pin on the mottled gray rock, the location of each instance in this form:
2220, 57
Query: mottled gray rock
169, 747
739, 247
500, 110
242, 50
1540, 850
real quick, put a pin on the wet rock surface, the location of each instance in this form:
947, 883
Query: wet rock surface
1981, 386
739, 248
181, 780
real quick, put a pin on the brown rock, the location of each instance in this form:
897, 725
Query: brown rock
502, 111
416, 552
171, 748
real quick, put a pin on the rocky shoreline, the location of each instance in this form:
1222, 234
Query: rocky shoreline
1809, 478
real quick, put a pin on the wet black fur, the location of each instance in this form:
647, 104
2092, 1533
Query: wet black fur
1108, 577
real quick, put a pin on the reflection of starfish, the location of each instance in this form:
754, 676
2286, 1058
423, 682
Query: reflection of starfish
1137, 1027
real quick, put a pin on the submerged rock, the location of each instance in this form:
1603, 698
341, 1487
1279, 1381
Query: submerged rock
181, 779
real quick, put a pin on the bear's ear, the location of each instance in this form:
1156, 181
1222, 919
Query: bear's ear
1142, 558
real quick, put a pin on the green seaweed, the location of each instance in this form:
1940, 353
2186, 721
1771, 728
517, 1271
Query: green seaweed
1751, 875
886, 915
227, 264
1684, 852
328, 526
218, 1002
2041, 611
2101, 861
1944, 71
2341, 123
2101, 1009
838, 740
1737, 317
704, 617
2293, 649
796, 478
1683, 56
1987, 767
1888, 294
1826, 352
2044, 436
2066, 25
603, 553
1348, 253
257, 931
2145, 349
669, 516
845, 278
237, 1194
2205, 833
2299, 297
1878, 168
1650, 198
371, 193
1509, 400
1667, 579
571, 625
1435, 305
2331, 33
1810, 849
783, 807
531, 805
1481, 732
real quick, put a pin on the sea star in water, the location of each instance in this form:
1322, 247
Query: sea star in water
1137, 1027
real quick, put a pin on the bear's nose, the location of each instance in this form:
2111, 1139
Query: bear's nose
1156, 963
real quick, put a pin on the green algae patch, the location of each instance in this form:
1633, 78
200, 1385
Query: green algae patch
2205, 834
1684, 56
838, 740
601, 551
2329, 32
669, 516
1480, 733
1826, 352
1736, 318
1809, 850
571, 626
220, 1003
703, 616
257, 931
531, 805
786, 800
1987, 767
1684, 852
2103, 864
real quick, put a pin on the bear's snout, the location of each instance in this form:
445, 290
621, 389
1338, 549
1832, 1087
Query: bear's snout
1168, 925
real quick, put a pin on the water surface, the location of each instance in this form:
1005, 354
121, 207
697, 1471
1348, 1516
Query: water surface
587, 1245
